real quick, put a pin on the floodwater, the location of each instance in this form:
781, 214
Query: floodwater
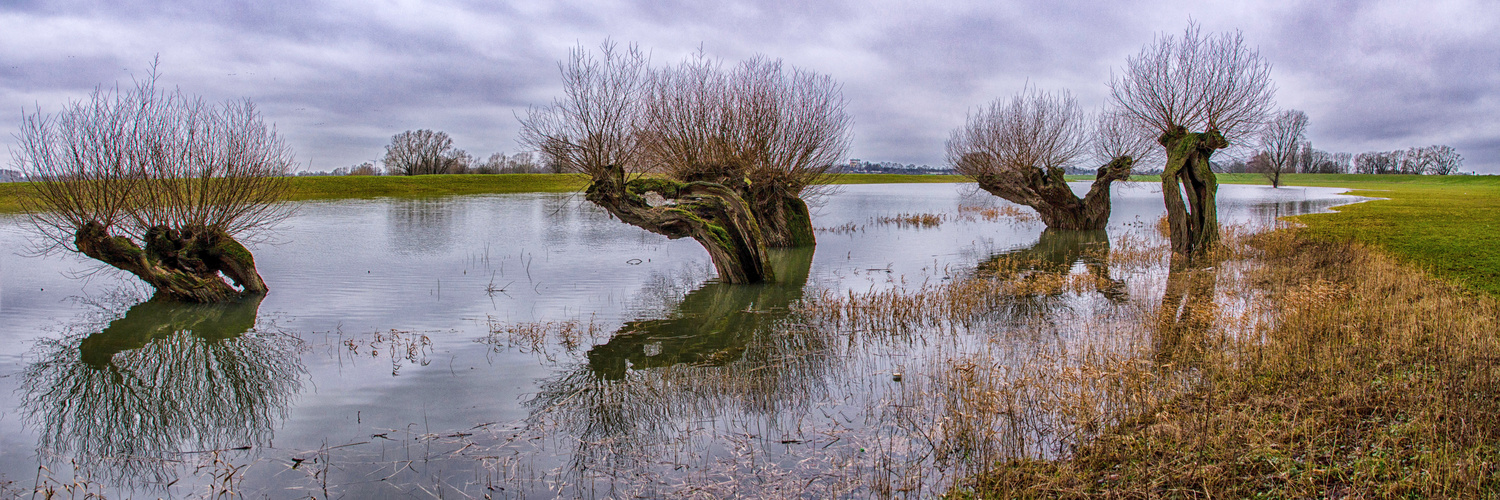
528, 345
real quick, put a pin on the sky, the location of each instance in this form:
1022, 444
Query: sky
339, 78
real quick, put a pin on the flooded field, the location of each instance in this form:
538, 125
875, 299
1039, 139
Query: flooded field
513, 346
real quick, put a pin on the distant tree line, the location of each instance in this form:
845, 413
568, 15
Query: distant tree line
426, 152
1284, 148
1430, 160
889, 167
7, 175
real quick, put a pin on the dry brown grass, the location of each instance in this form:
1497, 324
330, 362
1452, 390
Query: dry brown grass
905, 220
1337, 373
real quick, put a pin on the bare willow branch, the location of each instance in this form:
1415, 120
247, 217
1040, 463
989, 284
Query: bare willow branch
147, 168
1116, 135
1017, 149
1196, 82
595, 125
1034, 130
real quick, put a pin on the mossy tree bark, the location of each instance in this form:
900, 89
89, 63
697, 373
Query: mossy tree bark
1194, 223
1047, 192
183, 265
714, 215
784, 218
785, 221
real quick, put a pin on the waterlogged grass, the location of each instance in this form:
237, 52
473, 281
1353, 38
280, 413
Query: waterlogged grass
1370, 380
1446, 225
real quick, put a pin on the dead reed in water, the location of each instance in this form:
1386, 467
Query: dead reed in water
991, 213
905, 220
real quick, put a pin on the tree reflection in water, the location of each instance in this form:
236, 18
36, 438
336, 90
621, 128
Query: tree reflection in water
127, 401
724, 347
1188, 311
423, 226
1043, 270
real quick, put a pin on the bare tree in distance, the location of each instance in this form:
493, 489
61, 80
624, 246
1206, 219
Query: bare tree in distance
1018, 149
424, 152
596, 129
1200, 94
769, 132
1443, 160
1282, 140
159, 184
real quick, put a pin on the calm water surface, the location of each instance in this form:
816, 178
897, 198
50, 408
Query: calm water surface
504, 345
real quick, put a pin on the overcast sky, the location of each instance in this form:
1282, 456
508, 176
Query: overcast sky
338, 79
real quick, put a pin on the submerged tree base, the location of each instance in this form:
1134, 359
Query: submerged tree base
1194, 223
1375, 381
185, 265
710, 213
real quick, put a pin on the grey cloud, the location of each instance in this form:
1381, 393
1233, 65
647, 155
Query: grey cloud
339, 78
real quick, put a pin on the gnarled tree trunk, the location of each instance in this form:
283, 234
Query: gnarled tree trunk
714, 215
784, 219
1194, 223
1048, 193
181, 264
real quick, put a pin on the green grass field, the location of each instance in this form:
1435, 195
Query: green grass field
1446, 225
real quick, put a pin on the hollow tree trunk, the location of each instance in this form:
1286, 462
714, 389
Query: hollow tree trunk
710, 213
181, 264
1194, 223
1048, 193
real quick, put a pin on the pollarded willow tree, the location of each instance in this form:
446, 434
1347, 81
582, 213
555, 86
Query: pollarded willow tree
768, 132
1017, 150
596, 129
1200, 94
723, 157
158, 184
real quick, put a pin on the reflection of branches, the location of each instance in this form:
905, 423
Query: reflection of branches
164, 377
1042, 270
724, 346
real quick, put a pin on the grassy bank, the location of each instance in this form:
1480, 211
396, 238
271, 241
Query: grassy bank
357, 186
1372, 380
1446, 225
421, 186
